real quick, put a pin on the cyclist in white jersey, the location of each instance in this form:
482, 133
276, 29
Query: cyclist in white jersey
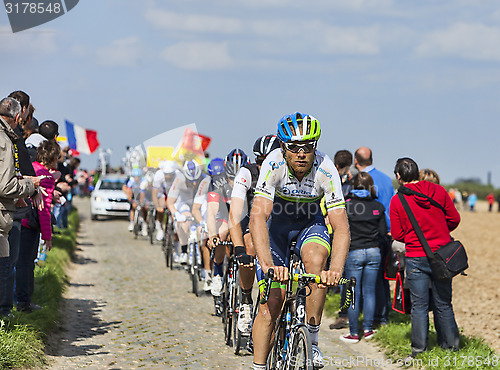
286, 206
188, 190
162, 181
239, 215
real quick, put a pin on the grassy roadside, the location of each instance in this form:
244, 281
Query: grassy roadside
395, 340
22, 337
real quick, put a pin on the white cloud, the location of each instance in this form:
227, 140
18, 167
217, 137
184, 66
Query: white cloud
322, 5
465, 40
193, 22
198, 55
124, 52
339, 40
274, 35
35, 41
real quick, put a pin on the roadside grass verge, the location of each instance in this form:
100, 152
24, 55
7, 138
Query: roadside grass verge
23, 336
395, 339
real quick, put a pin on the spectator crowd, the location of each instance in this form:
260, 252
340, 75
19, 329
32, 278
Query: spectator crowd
37, 182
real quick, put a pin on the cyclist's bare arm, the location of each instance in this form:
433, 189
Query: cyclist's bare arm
128, 192
340, 246
212, 209
154, 193
235, 213
196, 211
171, 205
261, 210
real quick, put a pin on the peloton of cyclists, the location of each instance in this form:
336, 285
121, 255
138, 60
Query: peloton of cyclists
286, 206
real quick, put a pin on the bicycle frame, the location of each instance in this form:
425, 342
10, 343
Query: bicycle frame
292, 320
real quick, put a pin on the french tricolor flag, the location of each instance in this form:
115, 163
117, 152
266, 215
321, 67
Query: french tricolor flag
80, 139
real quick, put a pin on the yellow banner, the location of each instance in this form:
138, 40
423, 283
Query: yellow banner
156, 154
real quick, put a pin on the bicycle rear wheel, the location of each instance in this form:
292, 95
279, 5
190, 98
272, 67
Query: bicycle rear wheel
300, 355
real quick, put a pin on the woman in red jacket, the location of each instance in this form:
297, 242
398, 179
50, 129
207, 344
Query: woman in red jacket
48, 153
436, 226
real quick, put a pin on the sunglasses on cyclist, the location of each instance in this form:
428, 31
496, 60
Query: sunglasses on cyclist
305, 147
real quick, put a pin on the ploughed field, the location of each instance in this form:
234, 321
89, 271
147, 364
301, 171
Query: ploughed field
476, 297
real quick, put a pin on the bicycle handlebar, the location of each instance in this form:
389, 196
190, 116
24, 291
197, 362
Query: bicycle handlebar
350, 284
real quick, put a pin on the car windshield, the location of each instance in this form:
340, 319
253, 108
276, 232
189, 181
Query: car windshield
112, 185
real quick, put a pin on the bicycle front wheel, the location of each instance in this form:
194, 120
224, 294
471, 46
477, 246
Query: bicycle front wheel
151, 226
275, 360
227, 315
237, 336
300, 355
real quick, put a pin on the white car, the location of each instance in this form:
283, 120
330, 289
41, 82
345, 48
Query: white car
108, 198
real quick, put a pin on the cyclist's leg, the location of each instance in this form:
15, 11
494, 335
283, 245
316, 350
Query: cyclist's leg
263, 326
133, 206
313, 245
220, 251
247, 274
265, 321
183, 230
160, 215
247, 277
144, 215
218, 271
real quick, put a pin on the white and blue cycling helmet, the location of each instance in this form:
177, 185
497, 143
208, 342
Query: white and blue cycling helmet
192, 170
298, 127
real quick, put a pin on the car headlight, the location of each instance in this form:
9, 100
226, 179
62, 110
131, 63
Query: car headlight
98, 199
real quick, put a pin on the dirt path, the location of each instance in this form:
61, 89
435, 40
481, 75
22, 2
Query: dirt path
125, 310
476, 298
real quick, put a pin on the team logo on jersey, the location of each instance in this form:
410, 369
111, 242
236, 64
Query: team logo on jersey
326, 173
275, 165
287, 191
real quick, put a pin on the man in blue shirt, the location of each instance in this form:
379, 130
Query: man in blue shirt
363, 161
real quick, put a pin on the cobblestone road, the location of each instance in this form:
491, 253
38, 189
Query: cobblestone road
125, 310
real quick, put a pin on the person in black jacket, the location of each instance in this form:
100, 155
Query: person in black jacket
368, 230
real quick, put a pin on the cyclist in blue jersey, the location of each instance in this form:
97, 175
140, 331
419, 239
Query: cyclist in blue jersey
286, 207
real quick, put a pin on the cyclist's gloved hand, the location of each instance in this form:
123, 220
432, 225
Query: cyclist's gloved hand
242, 257
179, 217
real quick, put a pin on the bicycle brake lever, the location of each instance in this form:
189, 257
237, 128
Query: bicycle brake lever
267, 288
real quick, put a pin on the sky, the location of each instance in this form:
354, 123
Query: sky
405, 78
